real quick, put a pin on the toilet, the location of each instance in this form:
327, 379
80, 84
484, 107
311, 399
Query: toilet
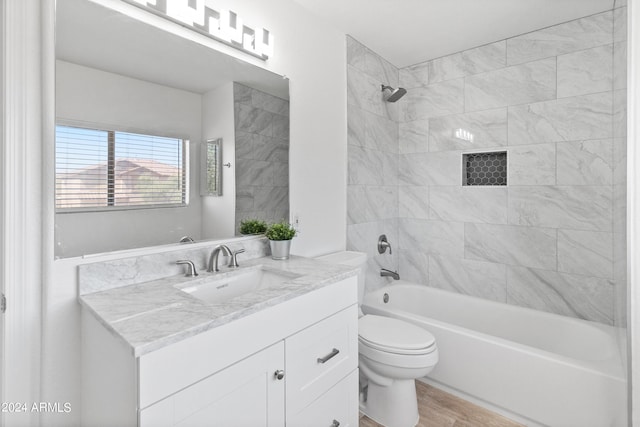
392, 354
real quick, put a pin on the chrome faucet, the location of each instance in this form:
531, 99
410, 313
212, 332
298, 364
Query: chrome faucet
213, 259
388, 273
191, 268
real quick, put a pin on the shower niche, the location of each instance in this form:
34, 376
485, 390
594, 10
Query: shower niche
485, 169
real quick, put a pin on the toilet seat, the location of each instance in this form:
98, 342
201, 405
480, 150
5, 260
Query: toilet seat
394, 336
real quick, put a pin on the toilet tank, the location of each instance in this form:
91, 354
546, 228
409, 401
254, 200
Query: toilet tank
352, 259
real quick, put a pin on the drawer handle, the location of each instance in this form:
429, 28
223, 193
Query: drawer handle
279, 374
331, 355
335, 423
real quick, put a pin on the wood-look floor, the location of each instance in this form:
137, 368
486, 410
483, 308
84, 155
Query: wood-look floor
440, 409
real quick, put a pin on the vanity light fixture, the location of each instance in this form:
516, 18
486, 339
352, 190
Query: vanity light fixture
222, 25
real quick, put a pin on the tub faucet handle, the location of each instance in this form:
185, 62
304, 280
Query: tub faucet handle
383, 244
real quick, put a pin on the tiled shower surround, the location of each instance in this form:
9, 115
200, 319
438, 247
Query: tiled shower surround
553, 239
262, 155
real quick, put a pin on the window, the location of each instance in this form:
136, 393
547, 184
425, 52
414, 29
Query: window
105, 169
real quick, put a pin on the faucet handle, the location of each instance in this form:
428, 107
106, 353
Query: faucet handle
191, 268
233, 262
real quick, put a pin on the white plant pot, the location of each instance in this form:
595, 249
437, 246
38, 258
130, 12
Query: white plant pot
280, 249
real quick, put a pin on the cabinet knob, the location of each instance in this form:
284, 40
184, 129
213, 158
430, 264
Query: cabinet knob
335, 423
279, 374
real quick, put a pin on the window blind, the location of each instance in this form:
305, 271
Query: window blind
105, 169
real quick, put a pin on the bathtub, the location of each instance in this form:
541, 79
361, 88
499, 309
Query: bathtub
534, 367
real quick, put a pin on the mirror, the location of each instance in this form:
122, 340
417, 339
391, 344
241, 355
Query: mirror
146, 75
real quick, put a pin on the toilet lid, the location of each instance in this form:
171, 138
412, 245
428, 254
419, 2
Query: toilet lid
386, 332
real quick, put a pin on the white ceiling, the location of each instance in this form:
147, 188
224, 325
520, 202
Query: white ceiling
407, 32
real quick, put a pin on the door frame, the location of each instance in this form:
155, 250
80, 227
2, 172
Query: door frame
27, 76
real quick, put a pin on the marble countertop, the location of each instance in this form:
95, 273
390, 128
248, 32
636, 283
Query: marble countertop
154, 314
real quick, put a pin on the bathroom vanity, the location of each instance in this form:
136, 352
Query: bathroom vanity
169, 353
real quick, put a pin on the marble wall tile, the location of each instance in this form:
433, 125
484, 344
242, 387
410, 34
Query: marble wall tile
620, 24
619, 113
270, 103
574, 35
365, 166
438, 168
589, 298
414, 136
363, 91
245, 146
364, 238
620, 65
519, 84
468, 204
250, 172
586, 71
414, 266
438, 99
242, 94
381, 133
480, 279
619, 3
432, 237
371, 203
472, 61
585, 162
381, 69
356, 129
523, 246
574, 207
620, 161
281, 175
568, 119
356, 53
244, 199
588, 253
414, 76
270, 198
620, 257
489, 129
532, 164
280, 126
620, 209
413, 202
254, 120
271, 149
363, 59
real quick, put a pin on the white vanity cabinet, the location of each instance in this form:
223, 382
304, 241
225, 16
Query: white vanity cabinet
291, 364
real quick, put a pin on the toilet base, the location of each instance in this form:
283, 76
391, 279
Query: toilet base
395, 405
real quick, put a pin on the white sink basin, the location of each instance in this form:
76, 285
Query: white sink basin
216, 289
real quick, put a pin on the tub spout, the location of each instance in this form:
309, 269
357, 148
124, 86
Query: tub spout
388, 273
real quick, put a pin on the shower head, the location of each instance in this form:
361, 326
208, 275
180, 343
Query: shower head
392, 95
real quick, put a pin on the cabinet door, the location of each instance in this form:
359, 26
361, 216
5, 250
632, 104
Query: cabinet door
320, 356
338, 407
244, 394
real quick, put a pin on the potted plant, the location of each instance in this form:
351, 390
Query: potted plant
280, 235
252, 226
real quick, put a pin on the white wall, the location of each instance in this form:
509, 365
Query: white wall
86, 96
313, 57
217, 122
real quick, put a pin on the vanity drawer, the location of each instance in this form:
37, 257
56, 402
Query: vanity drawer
337, 407
320, 356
